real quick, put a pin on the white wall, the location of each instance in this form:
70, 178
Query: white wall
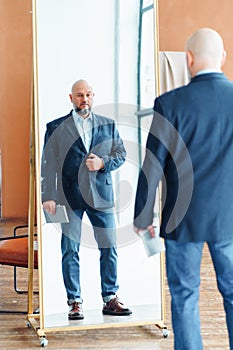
76, 39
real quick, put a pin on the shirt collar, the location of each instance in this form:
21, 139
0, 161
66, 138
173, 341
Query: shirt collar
207, 71
79, 119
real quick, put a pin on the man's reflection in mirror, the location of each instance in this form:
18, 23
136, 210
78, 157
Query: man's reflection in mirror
81, 150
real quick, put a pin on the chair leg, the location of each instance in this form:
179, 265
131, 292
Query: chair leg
20, 292
15, 277
15, 283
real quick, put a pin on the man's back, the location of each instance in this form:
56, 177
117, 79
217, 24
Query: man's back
190, 148
202, 113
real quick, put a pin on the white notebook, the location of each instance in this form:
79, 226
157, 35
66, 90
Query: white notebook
59, 217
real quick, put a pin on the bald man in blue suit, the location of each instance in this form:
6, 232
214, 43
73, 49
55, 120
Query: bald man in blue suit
81, 150
190, 148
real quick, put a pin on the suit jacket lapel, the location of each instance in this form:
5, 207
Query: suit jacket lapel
95, 130
71, 128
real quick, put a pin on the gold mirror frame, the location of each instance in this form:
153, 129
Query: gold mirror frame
37, 321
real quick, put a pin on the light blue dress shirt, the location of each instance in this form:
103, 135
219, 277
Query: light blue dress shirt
84, 127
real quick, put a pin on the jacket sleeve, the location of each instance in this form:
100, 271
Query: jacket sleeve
152, 170
118, 153
49, 167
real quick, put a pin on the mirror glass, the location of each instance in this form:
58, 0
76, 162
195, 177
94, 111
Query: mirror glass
98, 41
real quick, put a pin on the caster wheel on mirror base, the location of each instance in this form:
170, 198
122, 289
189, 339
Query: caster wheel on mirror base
43, 342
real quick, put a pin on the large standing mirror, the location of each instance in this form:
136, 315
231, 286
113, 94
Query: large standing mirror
101, 42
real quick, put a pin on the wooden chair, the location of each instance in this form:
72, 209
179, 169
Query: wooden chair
14, 252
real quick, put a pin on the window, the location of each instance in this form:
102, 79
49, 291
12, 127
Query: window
146, 69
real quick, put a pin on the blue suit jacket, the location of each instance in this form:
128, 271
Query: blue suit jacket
190, 147
65, 177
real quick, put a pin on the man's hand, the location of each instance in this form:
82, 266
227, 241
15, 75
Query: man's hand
50, 207
149, 228
94, 163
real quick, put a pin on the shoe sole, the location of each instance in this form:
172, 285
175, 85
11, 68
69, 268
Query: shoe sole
113, 313
75, 317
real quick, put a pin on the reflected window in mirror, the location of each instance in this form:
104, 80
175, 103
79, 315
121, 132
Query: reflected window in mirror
146, 55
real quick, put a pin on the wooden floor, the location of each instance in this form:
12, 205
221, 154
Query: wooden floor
16, 335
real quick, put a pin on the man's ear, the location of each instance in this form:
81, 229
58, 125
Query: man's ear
70, 95
190, 59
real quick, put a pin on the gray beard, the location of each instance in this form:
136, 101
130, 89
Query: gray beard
82, 111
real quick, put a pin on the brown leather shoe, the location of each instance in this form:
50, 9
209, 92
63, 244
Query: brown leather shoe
76, 311
115, 307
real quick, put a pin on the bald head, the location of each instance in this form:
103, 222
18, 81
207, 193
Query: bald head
205, 50
81, 84
82, 97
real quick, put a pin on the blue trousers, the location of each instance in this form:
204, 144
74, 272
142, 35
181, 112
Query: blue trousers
183, 261
103, 224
